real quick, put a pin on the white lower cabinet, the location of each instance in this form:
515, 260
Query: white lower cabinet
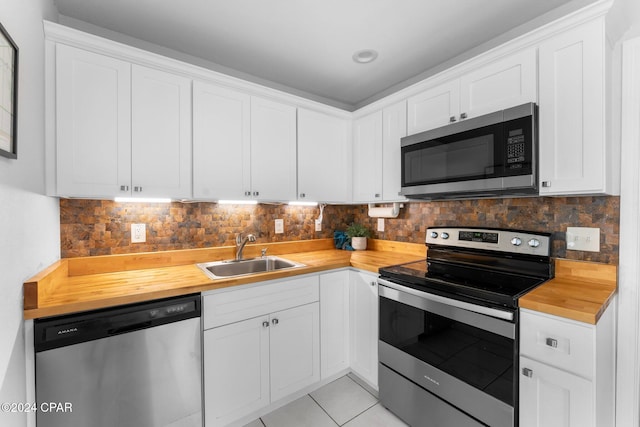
250, 363
363, 302
567, 371
334, 323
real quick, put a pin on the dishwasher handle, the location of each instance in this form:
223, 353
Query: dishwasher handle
71, 329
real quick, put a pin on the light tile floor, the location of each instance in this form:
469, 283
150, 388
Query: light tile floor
342, 402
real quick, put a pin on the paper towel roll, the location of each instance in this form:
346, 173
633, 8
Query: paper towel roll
387, 212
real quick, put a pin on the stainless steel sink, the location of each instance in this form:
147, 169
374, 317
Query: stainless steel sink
233, 268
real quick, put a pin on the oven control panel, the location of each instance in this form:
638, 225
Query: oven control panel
514, 241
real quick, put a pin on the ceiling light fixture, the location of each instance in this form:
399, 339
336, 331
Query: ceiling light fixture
365, 56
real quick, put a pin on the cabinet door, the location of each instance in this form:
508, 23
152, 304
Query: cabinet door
334, 323
572, 125
93, 124
363, 300
367, 158
394, 127
501, 84
273, 150
160, 134
236, 370
294, 349
552, 397
221, 142
434, 107
323, 160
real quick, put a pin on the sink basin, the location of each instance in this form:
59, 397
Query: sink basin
233, 268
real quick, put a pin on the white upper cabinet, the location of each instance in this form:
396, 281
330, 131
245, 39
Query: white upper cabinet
160, 134
93, 124
121, 129
244, 147
376, 154
221, 142
367, 158
503, 83
273, 150
576, 154
323, 157
394, 127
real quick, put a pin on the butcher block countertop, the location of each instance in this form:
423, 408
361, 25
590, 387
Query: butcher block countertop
580, 291
79, 284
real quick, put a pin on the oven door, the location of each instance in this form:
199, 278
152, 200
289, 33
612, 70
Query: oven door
468, 360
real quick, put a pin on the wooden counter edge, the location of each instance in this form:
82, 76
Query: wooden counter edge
43, 283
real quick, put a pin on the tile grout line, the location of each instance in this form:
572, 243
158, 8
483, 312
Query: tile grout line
356, 416
324, 410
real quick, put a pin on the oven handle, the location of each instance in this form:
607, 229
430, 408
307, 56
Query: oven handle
500, 314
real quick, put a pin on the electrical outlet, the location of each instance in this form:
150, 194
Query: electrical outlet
583, 239
381, 224
138, 233
318, 225
279, 226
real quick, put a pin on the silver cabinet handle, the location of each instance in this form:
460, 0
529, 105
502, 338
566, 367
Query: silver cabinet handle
373, 283
256, 193
377, 195
137, 189
124, 188
274, 321
302, 195
527, 372
546, 184
463, 116
551, 342
265, 324
452, 119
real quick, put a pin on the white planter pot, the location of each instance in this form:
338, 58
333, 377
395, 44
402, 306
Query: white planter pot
359, 243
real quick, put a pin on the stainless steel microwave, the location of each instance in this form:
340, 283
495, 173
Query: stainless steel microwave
495, 155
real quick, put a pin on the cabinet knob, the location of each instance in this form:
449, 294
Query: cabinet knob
452, 119
377, 195
373, 283
137, 189
124, 188
527, 372
275, 321
247, 193
463, 116
265, 324
256, 193
546, 184
551, 342
302, 195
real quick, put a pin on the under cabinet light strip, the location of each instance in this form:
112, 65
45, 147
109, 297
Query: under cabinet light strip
237, 202
141, 200
298, 203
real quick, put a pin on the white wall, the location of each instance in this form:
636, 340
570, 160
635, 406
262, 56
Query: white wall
29, 221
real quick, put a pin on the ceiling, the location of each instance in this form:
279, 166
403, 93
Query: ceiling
306, 47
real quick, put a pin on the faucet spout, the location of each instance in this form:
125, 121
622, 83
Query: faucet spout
241, 242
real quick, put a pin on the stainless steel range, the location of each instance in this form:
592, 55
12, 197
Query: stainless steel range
448, 332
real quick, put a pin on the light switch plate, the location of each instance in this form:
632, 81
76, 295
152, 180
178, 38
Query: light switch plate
138, 233
318, 225
583, 239
279, 226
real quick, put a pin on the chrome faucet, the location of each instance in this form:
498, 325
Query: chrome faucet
241, 242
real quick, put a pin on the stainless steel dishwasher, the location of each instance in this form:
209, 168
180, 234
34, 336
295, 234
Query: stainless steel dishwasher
134, 365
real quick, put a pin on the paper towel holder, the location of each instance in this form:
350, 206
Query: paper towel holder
385, 212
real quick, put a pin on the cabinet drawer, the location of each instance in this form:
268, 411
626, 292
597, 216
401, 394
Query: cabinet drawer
227, 307
558, 342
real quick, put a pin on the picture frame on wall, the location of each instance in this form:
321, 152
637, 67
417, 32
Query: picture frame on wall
8, 95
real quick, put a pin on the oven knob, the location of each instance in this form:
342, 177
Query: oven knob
534, 243
516, 241
445, 235
434, 235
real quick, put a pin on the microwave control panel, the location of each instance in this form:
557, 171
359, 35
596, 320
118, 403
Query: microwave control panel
515, 147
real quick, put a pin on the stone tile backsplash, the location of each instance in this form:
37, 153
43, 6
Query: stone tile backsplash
100, 227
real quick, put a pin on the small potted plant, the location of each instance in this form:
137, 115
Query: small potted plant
358, 234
